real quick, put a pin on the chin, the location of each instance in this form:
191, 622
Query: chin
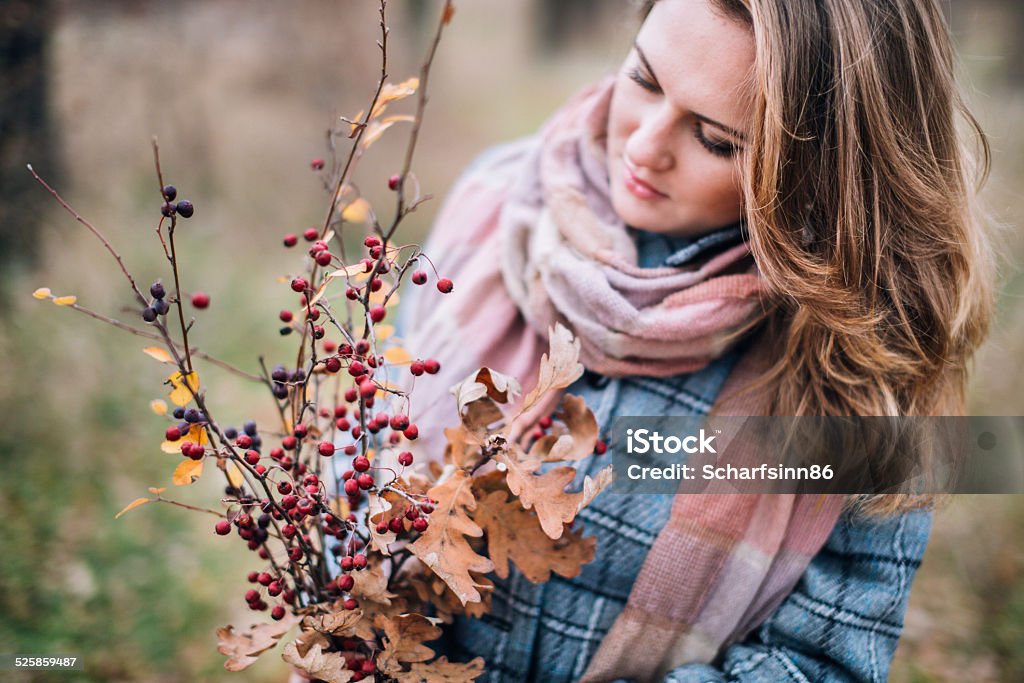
635, 214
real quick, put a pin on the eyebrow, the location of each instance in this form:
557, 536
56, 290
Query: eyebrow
700, 117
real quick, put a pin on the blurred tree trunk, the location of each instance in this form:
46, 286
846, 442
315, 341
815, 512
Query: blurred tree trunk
26, 135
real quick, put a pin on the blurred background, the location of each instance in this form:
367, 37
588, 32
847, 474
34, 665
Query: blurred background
241, 95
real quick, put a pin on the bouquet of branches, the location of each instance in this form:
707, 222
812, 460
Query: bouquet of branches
367, 553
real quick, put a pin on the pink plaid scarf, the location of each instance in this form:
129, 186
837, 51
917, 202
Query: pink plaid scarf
530, 238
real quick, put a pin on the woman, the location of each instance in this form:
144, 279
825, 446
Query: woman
767, 211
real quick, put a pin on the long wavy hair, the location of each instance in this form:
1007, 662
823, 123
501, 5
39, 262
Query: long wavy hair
860, 206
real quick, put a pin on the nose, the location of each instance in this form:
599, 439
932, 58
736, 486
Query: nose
649, 145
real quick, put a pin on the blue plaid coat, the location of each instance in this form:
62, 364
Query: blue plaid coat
841, 623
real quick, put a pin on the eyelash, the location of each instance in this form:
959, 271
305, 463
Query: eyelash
719, 149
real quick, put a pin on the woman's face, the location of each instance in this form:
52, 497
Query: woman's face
679, 116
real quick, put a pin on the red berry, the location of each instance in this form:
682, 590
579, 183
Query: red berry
295, 554
333, 365
252, 595
223, 527
311, 234
291, 239
289, 531
411, 432
359, 561
264, 579
375, 284
365, 481
351, 394
444, 285
299, 284
412, 512
355, 368
351, 293
367, 390
405, 458
382, 528
416, 368
277, 614
431, 366
393, 182
274, 588
600, 448
330, 346
252, 457
326, 448
323, 258
284, 487
243, 441
420, 524
362, 347
351, 487
317, 164
200, 300
395, 525
419, 277
371, 241
172, 434
351, 604
346, 582
399, 422
289, 443
377, 313
318, 330
289, 501
361, 464
545, 422
350, 449
285, 316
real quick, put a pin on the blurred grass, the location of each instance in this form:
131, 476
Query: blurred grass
240, 95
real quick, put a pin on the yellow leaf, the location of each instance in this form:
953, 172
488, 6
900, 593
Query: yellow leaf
396, 355
377, 128
357, 211
180, 395
65, 300
42, 293
234, 475
196, 434
132, 505
158, 491
187, 472
383, 331
158, 406
171, 447
159, 353
392, 93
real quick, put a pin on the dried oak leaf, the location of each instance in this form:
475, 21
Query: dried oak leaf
341, 623
559, 367
515, 534
578, 439
327, 666
463, 448
435, 591
443, 671
546, 493
244, 647
443, 547
372, 585
403, 641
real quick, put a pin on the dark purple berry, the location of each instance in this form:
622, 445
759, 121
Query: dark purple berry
167, 209
157, 291
192, 415
170, 192
149, 315
279, 374
161, 307
185, 208
179, 414
250, 427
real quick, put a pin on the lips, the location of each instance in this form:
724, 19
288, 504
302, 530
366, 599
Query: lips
639, 188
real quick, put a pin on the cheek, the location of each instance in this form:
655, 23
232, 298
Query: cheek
621, 119
713, 185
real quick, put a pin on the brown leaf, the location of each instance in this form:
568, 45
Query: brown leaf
545, 493
372, 585
244, 647
159, 353
463, 447
392, 92
515, 534
327, 666
338, 623
443, 546
443, 671
559, 367
578, 439
403, 640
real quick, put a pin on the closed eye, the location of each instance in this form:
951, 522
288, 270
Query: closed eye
637, 77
